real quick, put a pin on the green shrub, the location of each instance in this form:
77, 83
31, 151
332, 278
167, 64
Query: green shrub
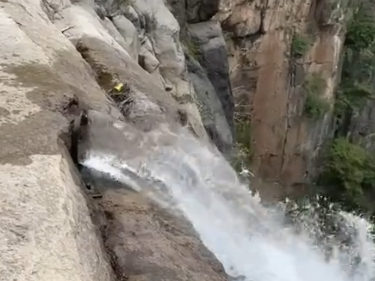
243, 132
315, 105
357, 94
356, 86
242, 150
361, 29
300, 45
349, 172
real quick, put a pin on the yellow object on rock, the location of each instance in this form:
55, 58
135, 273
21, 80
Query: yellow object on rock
119, 87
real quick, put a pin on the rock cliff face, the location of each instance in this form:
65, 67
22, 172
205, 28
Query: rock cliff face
279, 52
206, 55
57, 58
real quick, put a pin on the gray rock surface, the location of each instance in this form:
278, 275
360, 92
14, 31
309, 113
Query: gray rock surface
210, 107
242, 22
163, 31
201, 10
126, 39
208, 38
193, 11
107, 57
46, 232
129, 33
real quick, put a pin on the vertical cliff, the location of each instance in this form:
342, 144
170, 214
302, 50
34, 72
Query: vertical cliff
284, 59
206, 59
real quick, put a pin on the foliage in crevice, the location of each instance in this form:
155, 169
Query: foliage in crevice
315, 105
300, 45
242, 152
192, 48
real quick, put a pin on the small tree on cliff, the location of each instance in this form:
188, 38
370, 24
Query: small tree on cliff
349, 174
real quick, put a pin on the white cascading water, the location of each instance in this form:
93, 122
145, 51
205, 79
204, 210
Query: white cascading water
251, 241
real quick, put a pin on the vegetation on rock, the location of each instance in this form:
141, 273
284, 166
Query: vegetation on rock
315, 105
361, 29
348, 176
358, 71
349, 173
193, 48
242, 155
300, 45
243, 152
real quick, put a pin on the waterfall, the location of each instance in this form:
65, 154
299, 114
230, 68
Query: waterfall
251, 241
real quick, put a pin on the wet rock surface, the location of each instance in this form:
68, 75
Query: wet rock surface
61, 57
150, 244
146, 240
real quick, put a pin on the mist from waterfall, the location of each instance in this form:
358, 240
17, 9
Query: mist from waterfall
251, 241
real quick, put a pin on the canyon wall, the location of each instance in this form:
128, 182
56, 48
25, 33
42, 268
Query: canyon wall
280, 53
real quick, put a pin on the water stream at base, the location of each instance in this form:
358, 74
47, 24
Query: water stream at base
249, 239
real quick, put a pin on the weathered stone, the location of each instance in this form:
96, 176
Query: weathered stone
124, 33
213, 58
162, 29
264, 74
178, 9
243, 22
158, 246
46, 231
147, 57
210, 107
130, 34
137, 20
198, 11
148, 61
193, 11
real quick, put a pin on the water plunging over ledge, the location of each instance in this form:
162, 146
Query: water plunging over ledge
251, 241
